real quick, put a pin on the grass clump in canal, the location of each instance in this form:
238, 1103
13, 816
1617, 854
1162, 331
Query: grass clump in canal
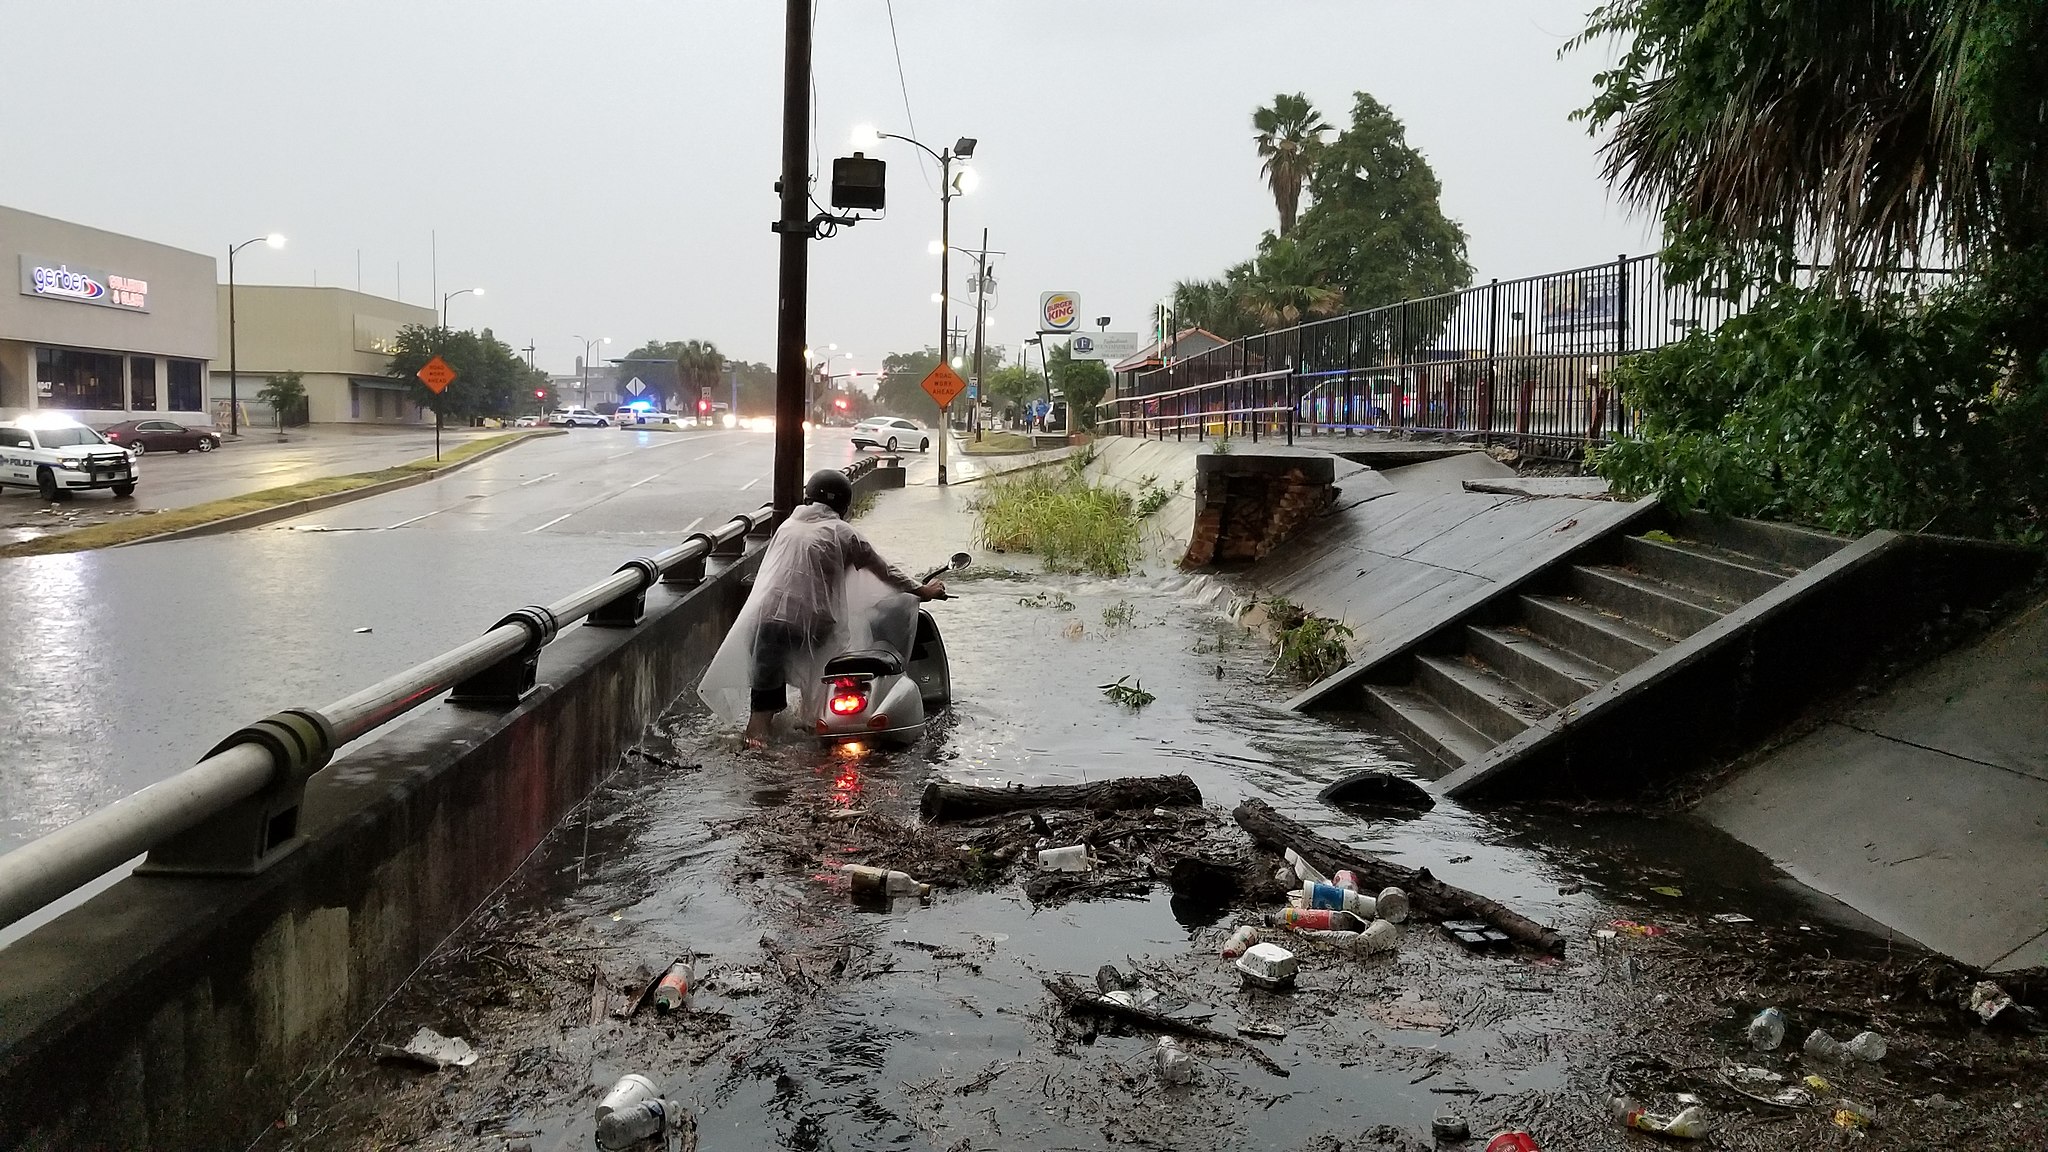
1307, 646
1056, 514
1130, 695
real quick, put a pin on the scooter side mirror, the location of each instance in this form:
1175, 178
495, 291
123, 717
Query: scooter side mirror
960, 560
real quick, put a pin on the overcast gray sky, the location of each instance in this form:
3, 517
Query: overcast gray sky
603, 167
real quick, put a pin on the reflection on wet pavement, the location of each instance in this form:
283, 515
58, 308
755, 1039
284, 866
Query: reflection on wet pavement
818, 1026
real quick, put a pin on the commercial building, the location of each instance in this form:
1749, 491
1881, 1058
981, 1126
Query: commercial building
103, 327
338, 341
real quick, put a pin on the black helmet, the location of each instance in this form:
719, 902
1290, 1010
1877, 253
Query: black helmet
831, 488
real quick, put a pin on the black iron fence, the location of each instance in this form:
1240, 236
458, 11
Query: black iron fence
1523, 362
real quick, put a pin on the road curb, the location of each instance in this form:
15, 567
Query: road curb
262, 516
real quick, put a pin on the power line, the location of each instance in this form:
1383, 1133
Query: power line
903, 85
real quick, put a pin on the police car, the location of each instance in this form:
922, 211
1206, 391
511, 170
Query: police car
58, 456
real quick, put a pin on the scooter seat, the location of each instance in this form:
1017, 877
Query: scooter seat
869, 661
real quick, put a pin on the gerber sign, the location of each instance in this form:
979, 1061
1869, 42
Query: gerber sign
55, 281
1058, 311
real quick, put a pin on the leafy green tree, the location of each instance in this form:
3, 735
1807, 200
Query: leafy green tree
286, 395
490, 378
1082, 382
1866, 131
1375, 231
1290, 131
1013, 386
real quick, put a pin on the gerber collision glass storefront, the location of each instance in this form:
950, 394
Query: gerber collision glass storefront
103, 327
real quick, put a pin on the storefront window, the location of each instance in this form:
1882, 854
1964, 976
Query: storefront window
142, 383
68, 378
185, 377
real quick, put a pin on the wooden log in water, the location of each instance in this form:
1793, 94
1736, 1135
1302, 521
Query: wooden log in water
944, 800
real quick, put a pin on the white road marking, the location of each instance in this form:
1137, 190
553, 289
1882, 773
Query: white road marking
750, 483
692, 525
551, 523
414, 520
538, 479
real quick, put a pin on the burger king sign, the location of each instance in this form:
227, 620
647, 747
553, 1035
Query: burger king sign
1058, 311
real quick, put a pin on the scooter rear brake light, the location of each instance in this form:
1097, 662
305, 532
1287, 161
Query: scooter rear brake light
849, 697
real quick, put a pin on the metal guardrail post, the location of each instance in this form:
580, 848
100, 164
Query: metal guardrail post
631, 607
688, 570
506, 682
255, 832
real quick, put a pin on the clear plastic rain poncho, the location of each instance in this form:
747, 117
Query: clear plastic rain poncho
816, 593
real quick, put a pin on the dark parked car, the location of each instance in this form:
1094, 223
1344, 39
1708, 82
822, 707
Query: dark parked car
144, 436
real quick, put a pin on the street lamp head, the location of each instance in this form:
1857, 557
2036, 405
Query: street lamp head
478, 291
865, 136
1102, 321
936, 247
966, 181
964, 147
938, 297
275, 239
958, 362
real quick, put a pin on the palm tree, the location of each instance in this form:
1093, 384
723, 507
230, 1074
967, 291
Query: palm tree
1217, 306
1289, 132
1867, 129
698, 365
1286, 288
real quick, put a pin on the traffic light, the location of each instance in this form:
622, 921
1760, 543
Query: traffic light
703, 405
840, 403
540, 393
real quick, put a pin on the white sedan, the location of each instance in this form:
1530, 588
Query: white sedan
891, 433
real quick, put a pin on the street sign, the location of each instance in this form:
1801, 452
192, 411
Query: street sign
436, 375
944, 385
635, 387
1110, 346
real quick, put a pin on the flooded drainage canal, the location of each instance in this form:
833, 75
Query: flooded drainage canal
816, 1024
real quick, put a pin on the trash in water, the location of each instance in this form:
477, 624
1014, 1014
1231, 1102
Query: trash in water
1853, 1115
1689, 1123
632, 1111
1751, 1074
1379, 936
674, 987
1390, 904
1868, 1047
1175, 1066
1267, 966
1322, 919
1108, 979
1767, 1030
1303, 870
1631, 928
1817, 1083
1448, 1126
1477, 935
1667, 890
1989, 1001
1346, 879
1733, 918
1073, 858
1939, 1103
1245, 936
870, 883
1513, 1142
360, 631
433, 1050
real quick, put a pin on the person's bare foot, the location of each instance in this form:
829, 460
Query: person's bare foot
754, 743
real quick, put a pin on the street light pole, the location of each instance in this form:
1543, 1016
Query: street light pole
980, 318
794, 229
234, 365
587, 346
452, 295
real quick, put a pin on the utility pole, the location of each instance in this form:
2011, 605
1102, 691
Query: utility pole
795, 228
980, 320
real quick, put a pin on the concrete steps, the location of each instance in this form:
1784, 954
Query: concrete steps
1575, 628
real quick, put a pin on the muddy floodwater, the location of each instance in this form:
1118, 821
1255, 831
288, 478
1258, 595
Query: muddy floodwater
815, 1024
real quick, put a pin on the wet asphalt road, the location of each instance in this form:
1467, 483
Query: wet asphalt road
121, 667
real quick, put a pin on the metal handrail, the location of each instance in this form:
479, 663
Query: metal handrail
53, 865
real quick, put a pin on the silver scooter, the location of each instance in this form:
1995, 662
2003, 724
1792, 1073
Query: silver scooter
885, 693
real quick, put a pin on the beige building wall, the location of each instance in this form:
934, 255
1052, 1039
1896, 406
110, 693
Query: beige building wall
337, 340
154, 305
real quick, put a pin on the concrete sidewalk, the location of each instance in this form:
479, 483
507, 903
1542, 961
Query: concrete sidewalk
1956, 853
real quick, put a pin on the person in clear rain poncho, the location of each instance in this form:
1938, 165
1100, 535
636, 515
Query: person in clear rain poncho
812, 598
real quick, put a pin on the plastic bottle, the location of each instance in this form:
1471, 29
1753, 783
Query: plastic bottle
633, 1110
1767, 1030
675, 986
1246, 936
1513, 1142
870, 881
1175, 1065
1821, 1046
1391, 904
1346, 879
1315, 918
1303, 870
1689, 1123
